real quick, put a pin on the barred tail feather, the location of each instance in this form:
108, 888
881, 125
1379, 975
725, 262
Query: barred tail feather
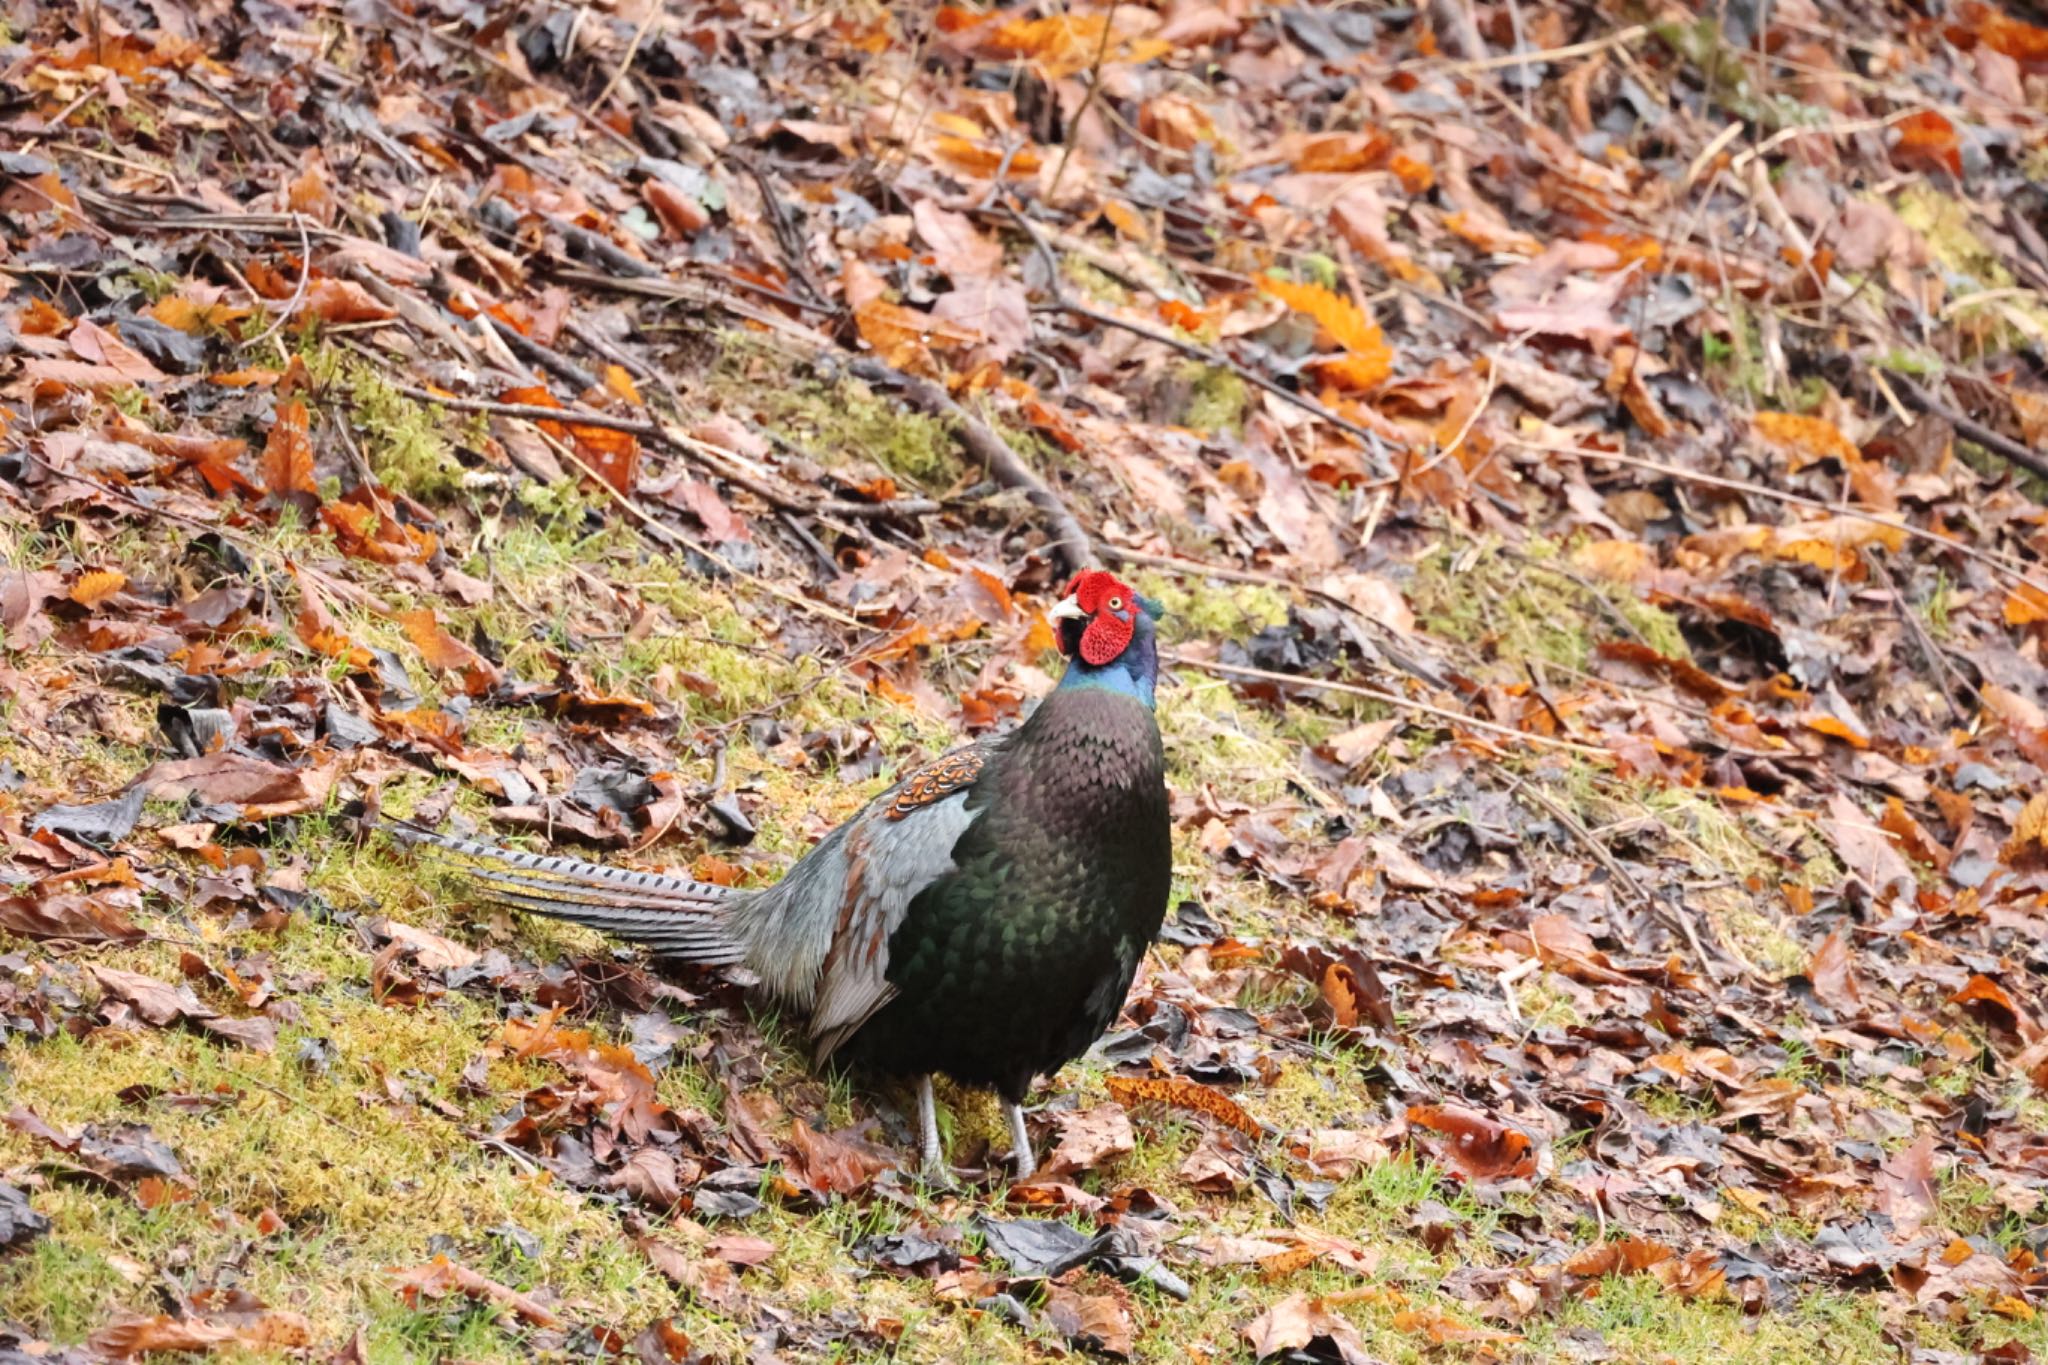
674, 916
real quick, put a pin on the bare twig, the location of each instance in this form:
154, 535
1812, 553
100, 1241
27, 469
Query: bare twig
1087, 102
1071, 545
1999, 444
664, 532
1618, 38
1202, 353
1393, 699
1949, 680
1622, 876
296, 1101
1996, 562
649, 430
626, 62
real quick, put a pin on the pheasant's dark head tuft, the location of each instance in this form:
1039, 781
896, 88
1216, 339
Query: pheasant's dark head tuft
1099, 617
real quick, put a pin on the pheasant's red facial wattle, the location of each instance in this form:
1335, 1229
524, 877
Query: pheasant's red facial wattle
1112, 610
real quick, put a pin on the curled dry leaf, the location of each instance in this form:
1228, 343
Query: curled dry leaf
429, 949
1100, 1323
440, 1277
1865, 848
1090, 1139
1480, 1148
835, 1163
272, 1330
446, 654
68, 915
1906, 1187
264, 790
288, 453
1834, 982
161, 1004
1622, 1256
1300, 1323
1444, 1330
1561, 943
623, 1085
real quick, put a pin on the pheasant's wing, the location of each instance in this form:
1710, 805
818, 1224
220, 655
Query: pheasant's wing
676, 917
821, 936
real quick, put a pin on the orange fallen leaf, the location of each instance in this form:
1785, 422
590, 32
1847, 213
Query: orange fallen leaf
1979, 22
1445, 1330
2025, 605
1481, 1148
1926, 138
342, 301
1416, 177
1806, 439
1367, 360
2028, 846
1341, 152
1178, 1093
93, 588
1623, 1256
446, 654
288, 452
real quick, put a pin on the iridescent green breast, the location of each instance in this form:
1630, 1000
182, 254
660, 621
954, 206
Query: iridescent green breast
1015, 962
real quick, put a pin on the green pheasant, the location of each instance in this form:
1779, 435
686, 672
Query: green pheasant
982, 918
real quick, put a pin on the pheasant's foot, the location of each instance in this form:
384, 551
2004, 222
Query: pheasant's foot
1020, 1140
931, 1161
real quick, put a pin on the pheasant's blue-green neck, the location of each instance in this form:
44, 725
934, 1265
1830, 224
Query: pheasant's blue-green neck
1133, 673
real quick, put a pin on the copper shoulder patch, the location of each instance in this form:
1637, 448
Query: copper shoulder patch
936, 781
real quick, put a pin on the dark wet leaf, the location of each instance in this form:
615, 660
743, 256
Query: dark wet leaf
1039, 1246
730, 1193
102, 823
907, 1251
19, 1223
169, 349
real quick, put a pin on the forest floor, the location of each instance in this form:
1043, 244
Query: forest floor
1592, 458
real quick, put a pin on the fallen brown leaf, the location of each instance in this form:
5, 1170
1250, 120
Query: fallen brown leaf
440, 1277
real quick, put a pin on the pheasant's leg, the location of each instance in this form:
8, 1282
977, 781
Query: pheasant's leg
928, 1128
1020, 1139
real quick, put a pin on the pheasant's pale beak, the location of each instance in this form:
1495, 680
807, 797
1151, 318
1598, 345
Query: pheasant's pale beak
1066, 609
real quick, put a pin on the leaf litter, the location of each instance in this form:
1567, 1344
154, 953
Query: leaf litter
1594, 464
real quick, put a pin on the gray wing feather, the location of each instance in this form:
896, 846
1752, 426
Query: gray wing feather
898, 858
819, 938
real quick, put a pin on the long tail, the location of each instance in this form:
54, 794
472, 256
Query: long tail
674, 916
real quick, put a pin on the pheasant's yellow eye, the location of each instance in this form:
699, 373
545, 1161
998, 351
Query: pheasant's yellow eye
1116, 604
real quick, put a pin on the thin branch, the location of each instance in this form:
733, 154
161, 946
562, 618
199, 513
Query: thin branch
1393, 699
1999, 444
664, 532
1087, 102
626, 63
1197, 351
1071, 545
1996, 562
648, 430
1622, 876
1619, 38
